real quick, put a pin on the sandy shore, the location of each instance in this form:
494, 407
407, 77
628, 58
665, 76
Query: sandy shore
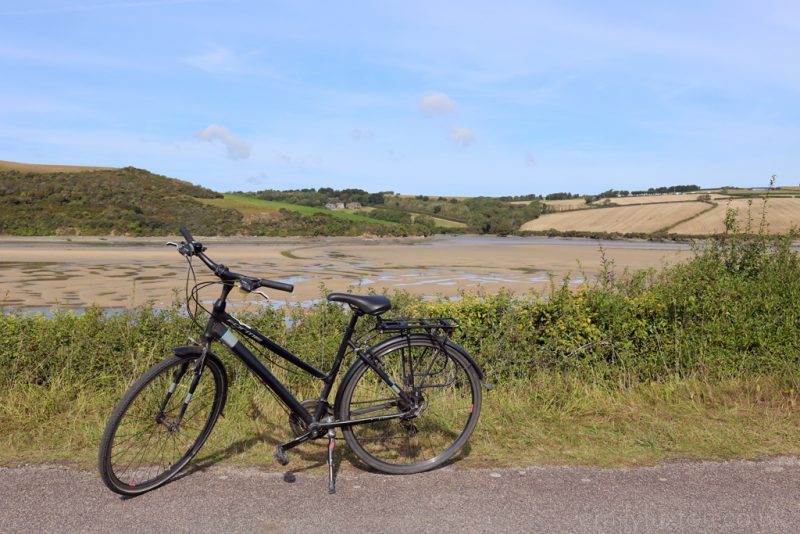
123, 272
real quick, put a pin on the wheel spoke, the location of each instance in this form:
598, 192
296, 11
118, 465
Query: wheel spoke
446, 388
143, 453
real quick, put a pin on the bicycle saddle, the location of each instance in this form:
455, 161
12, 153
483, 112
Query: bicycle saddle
369, 304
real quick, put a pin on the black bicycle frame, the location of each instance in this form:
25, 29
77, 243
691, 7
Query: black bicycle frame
220, 326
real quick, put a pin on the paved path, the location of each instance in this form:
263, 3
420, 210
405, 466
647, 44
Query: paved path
736, 496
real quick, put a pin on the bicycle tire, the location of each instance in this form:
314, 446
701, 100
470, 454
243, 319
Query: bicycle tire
127, 464
439, 432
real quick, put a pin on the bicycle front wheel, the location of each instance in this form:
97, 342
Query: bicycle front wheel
157, 427
447, 390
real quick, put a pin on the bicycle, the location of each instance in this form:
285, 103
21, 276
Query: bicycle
407, 404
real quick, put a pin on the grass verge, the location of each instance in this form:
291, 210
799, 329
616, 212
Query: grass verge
555, 420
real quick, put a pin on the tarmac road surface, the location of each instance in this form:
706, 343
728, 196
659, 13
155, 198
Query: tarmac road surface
733, 496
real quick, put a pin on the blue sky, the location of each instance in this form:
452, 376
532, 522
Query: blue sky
442, 97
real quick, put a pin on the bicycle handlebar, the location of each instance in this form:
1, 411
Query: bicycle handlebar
247, 283
187, 235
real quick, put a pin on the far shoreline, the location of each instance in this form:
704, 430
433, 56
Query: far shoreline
109, 240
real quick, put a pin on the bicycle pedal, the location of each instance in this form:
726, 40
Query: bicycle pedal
280, 455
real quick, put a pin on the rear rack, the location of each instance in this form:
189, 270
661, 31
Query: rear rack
448, 325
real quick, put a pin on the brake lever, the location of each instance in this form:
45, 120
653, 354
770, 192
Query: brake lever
182, 248
266, 297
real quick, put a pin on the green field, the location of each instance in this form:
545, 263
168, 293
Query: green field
442, 223
248, 205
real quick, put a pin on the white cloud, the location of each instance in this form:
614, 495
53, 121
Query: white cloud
218, 60
258, 179
433, 104
361, 134
226, 61
462, 136
394, 155
237, 147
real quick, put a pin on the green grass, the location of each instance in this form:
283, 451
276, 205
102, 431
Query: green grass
548, 419
442, 223
249, 205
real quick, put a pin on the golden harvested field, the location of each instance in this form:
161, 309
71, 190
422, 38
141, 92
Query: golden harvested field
35, 167
569, 204
655, 199
782, 213
624, 219
520, 202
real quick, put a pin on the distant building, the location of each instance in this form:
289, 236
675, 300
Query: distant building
354, 205
335, 205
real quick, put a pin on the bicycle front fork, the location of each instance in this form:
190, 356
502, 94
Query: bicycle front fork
173, 426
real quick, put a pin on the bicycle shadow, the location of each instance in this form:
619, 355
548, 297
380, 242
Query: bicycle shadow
356, 462
312, 459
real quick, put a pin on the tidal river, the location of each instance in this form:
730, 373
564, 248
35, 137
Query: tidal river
46, 273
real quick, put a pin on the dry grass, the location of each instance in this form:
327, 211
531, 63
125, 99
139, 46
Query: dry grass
35, 167
782, 214
624, 219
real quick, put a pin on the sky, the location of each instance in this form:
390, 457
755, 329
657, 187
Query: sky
438, 98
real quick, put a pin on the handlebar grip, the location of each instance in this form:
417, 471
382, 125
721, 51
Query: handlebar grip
280, 286
186, 235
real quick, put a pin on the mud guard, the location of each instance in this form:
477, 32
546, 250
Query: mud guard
402, 340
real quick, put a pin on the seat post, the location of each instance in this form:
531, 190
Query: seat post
337, 363
351, 327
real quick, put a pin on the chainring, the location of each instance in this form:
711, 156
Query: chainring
297, 425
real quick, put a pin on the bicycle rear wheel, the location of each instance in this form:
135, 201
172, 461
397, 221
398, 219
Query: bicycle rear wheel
150, 436
448, 393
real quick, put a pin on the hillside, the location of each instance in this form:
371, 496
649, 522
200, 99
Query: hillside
641, 218
66, 200
782, 214
125, 201
76, 200
692, 214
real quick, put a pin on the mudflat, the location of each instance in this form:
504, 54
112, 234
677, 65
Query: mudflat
122, 272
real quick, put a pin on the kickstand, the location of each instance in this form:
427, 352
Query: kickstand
331, 445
